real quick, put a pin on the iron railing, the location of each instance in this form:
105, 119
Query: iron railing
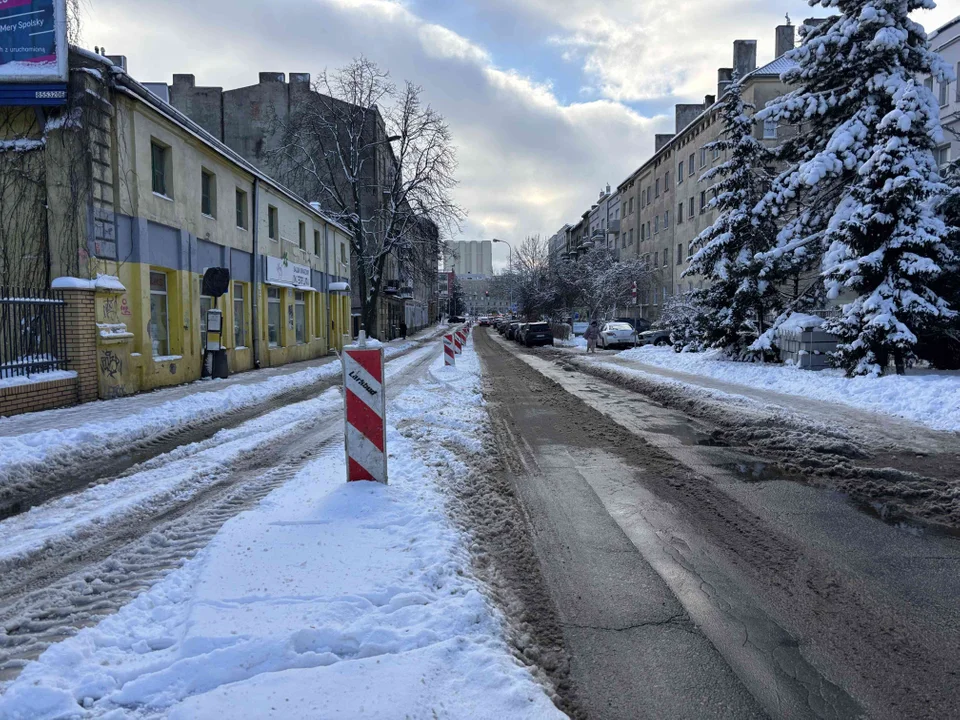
32, 332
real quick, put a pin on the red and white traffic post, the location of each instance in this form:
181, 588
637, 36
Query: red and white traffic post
457, 343
365, 412
449, 352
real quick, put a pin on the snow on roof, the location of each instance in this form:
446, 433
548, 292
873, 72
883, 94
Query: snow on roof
775, 68
943, 27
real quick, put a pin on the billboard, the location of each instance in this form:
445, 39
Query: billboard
33, 51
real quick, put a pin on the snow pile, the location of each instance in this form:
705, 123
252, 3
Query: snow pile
799, 322
329, 600
574, 342
101, 282
120, 430
929, 398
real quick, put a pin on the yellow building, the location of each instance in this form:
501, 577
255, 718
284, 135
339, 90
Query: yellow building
159, 201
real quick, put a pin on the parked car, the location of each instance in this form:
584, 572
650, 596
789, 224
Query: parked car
484, 321
654, 337
617, 334
454, 319
518, 333
511, 330
536, 334
639, 324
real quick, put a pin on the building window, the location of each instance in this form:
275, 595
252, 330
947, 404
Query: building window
273, 223
159, 164
716, 151
643, 232
703, 157
657, 191
666, 257
208, 193
666, 181
241, 209
656, 225
703, 201
631, 205
656, 259
944, 93
680, 173
666, 219
928, 83
631, 236
769, 129
680, 212
316, 244
159, 329
690, 208
690, 165
958, 83
679, 253
300, 316
274, 317
648, 229
239, 317
302, 235
942, 155
206, 304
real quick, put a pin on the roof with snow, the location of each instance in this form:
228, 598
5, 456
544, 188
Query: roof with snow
943, 27
775, 68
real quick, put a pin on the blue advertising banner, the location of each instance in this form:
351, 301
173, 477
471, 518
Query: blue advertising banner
33, 41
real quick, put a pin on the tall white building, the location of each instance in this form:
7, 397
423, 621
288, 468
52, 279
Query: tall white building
471, 257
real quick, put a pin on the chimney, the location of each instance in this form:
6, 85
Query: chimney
181, 79
709, 100
299, 78
686, 113
272, 77
119, 60
724, 80
786, 39
661, 139
744, 57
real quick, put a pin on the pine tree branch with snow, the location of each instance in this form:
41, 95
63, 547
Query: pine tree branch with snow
856, 195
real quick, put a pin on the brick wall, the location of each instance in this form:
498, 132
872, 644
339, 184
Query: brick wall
80, 319
38, 396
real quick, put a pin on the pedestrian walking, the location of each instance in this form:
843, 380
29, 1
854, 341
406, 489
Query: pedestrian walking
591, 335
403, 330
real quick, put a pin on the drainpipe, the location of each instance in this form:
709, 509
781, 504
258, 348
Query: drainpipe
255, 305
332, 342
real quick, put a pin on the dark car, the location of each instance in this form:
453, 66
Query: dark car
511, 332
536, 334
518, 333
638, 324
456, 319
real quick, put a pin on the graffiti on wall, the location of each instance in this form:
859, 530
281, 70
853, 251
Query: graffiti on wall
111, 364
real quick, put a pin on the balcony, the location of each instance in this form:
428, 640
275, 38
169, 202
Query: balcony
406, 291
391, 287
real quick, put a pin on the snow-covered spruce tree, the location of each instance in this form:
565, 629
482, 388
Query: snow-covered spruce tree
737, 299
856, 195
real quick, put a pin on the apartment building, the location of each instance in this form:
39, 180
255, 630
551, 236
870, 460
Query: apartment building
665, 202
470, 257
249, 120
946, 41
139, 191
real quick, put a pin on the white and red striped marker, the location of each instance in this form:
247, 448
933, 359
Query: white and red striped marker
449, 353
365, 413
457, 343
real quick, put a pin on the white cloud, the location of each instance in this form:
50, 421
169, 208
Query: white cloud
527, 162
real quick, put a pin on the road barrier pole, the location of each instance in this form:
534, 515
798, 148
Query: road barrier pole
365, 412
449, 353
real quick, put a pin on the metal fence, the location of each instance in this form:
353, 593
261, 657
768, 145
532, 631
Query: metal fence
32, 332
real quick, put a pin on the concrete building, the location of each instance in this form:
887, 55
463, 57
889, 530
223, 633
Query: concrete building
946, 41
664, 202
479, 296
470, 257
249, 121
160, 199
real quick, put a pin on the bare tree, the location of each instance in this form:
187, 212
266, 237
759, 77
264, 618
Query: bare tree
380, 161
598, 282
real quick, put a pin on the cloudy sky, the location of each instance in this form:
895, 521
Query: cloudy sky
548, 100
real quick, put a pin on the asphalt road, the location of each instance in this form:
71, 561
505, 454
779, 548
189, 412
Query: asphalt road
686, 587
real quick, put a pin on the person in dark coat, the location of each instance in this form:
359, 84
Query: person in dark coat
591, 336
403, 330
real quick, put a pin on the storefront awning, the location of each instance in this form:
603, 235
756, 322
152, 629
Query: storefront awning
302, 288
339, 287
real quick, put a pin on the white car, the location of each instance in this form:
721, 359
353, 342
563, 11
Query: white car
617, 333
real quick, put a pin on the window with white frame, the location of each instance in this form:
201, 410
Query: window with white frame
703, 201
942, 155
691, 165
680, 212
690, 208
300, 316
769, 129
703, 157
666, 219
159, 327
656, 225
208, 193
274, 317
944, 93
273, 223
239, 317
